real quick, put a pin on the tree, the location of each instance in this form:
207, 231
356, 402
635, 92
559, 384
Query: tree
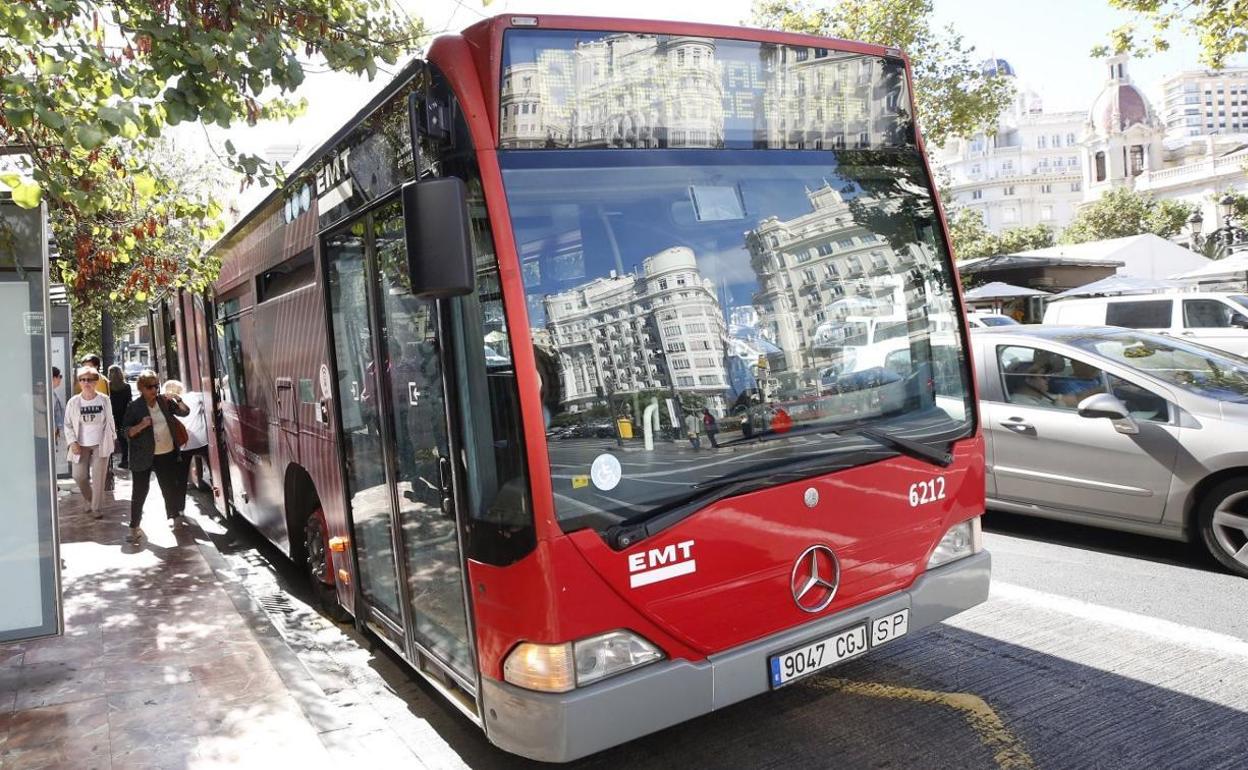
1016, 239
1220, 25
971, 239
1121, 212
954, 96
88, 86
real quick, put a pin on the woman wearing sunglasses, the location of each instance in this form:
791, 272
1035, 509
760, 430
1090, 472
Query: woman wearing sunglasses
90, 433
155, 437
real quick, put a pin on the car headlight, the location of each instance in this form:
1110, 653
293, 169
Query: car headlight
562, 667
962, 540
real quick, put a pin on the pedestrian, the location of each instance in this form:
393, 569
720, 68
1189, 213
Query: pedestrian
693, 426
58, 408
196, 424
90, 434
711, 427
120, 394
95, 362
153, 431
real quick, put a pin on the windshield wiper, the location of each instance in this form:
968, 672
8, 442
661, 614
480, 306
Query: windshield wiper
909, 447
642, 526
647, 524
629, 531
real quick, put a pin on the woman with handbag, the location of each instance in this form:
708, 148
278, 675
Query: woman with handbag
155, 437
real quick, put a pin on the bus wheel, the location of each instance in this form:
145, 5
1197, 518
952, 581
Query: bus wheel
320, 566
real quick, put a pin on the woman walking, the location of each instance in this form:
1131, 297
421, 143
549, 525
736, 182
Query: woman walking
120, 395
90, 434
196, 425
153, 430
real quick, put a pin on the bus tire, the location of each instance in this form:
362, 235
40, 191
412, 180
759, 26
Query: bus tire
1224, 541
319, 566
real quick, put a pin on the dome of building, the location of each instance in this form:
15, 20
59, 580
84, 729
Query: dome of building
1120, 106
991, 67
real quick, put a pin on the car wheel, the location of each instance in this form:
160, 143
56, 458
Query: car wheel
1223, 521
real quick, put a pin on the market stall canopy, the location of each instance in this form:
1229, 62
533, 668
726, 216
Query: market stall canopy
999, 290
1142, 256
1231, 267
1118, 284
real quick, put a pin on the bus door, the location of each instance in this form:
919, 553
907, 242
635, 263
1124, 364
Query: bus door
394, 441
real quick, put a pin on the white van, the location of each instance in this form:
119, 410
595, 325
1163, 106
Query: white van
1217, 320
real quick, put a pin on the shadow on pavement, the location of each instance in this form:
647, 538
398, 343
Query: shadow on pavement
1102, 540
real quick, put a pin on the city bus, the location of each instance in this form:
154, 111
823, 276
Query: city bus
524, 365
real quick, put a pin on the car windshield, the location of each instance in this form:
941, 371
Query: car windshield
996, 320
1193, 368
1241, 300
697, 313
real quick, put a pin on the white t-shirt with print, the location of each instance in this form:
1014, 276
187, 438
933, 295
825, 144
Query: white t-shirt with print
91, 418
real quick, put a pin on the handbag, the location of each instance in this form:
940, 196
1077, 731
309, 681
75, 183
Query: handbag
180, 435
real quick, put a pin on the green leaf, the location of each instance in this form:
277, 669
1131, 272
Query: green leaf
50, 119
90, 137
141, 296
10, 180
144, 186
27, 195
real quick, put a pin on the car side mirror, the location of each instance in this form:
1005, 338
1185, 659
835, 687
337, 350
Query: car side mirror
439, 247
1104, 405
1239, 321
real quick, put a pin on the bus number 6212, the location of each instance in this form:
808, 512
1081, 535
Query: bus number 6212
924, 492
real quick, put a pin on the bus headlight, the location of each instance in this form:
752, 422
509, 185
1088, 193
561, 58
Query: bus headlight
601, 656
561, 667
962, 540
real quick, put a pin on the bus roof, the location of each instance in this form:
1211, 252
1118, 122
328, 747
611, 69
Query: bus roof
485, 40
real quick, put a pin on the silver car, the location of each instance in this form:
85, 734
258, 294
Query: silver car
1118, 428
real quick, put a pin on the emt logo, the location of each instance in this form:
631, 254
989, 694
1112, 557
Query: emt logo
658, 564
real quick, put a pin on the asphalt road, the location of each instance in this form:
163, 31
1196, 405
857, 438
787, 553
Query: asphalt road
1095, 649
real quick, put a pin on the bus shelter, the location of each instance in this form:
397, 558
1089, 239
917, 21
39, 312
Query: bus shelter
29, 560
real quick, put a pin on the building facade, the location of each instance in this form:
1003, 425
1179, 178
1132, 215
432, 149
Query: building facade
1204, 102
1028, 173
1128, 145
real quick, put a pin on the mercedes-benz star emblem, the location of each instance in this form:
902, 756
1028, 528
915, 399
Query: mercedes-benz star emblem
816, 575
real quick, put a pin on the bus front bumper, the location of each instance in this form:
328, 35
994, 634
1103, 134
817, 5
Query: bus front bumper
560, 727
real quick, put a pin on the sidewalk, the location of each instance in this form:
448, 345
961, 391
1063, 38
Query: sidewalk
157, 668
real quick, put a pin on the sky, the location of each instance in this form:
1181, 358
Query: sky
1047, 43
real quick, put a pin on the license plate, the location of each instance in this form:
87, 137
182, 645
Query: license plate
839, 647
889, 627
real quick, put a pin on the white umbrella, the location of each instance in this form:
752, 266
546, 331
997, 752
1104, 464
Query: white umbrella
1000, 290
1117, 284
1235, 266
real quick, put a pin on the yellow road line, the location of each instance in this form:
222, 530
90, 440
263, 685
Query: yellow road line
1006, 748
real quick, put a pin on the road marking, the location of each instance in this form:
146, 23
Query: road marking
1007, 750
1165, 630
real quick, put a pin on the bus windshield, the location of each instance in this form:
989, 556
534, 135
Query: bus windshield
712, 296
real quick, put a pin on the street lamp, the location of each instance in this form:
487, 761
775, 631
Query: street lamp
1229, 236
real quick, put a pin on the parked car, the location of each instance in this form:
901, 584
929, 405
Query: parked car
133, 370
1118, 428
987, 320
1217, 320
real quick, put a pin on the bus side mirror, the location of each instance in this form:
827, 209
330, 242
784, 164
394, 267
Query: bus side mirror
439, 247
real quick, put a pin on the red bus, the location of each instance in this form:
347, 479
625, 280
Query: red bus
538, 364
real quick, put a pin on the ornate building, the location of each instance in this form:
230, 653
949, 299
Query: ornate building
815, 272
663, 329
1029, 172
